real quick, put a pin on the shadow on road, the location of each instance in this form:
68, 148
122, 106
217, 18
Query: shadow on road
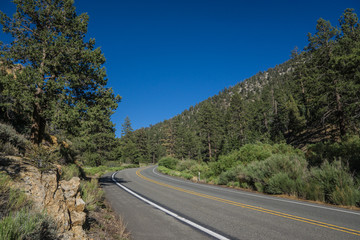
107, 181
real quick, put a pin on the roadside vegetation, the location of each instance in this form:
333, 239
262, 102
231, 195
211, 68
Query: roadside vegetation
18, 220
281, 169
102, 222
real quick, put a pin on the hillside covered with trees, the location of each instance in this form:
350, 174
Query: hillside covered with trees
310, 103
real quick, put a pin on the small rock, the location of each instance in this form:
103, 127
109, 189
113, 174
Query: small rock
70, 187
80, 204
77, 218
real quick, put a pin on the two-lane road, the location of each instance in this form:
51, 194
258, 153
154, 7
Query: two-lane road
218, 212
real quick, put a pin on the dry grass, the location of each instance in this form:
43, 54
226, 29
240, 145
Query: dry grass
105, 224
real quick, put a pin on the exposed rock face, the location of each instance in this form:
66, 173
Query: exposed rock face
60, 199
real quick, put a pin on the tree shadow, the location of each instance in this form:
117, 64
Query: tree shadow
107, 181
12, 167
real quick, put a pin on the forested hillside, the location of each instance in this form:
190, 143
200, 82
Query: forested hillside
314, 97
292, 130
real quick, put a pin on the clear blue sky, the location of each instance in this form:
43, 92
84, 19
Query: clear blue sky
164, 56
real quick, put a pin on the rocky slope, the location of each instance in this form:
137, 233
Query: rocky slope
59, 198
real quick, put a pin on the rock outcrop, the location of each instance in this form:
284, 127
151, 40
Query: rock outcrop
60, 199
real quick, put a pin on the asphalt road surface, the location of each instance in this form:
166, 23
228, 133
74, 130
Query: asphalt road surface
200, 211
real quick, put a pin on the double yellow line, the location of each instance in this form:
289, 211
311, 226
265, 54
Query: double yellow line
258, 209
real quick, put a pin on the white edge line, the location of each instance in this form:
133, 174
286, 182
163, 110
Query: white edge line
211, 233
254, 195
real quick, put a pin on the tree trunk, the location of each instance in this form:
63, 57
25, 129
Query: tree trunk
266, 122
38, 126
304, 99
209, 145
340, 113
39, 122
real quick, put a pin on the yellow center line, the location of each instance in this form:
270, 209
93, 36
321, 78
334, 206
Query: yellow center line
258, 209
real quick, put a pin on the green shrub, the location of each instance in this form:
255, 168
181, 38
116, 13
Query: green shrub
348, 151
253, 173
311, 191
70, 171
91, 194
4, 194
225, 162
280, 173
43, 156
8, 148
229, 176
246, 154
251, 153
346, 196
17, 219
18, 200
203, 168
117, 163
187, 176
244, 185
101, 170
233, 184
95, 171
4, 182
259, 187
27, 225
254, 152
185, 164
336, 183
163, 169
174, 173
168, 162
281, 183
11, 142
11, 199
91, 159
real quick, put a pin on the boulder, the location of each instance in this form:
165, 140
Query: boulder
60, 199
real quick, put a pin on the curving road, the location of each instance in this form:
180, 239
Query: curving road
209, 212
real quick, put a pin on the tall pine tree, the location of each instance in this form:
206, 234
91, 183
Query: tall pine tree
62, 76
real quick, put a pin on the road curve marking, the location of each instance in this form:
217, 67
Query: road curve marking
255, 195
258, 209
182, 219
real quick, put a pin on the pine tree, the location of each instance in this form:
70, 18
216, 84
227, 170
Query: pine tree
126, 127
346, 62
128, 145
332, 81
210, 129
237, 120
142, 145
156, 149
62, 76
168, 138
